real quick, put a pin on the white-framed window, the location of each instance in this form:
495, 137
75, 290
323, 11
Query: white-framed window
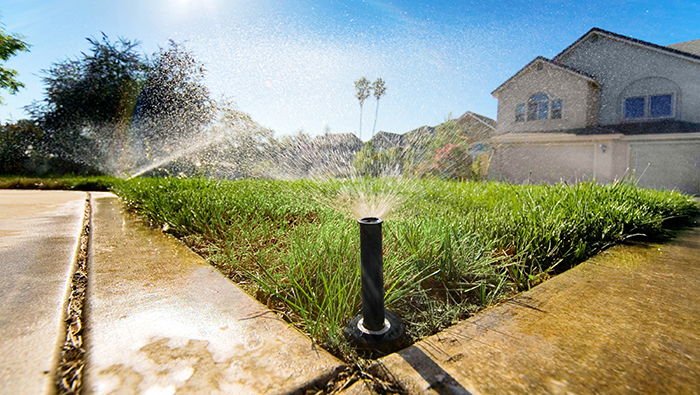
538, 107
648, 107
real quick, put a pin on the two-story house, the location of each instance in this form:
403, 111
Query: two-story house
605, 107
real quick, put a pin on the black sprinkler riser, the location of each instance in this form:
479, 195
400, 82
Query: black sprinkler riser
375, 330
372, 273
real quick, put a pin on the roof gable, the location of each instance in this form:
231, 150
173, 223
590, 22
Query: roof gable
476, 126
488, 122
550, 63
596, 32
388, 140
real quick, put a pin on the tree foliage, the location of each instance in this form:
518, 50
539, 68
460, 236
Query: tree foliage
100, 87
363, 89
174, 104
89, 103
422, 146
10, 45
375, 162
442, 151
453, 162
20, 152
247, 148
111, 108
235, 146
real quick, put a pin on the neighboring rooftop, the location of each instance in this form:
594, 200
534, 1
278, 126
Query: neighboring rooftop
476, 126
486, 120
692, 46
388, 140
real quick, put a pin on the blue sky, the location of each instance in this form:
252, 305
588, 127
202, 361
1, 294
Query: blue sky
292, 64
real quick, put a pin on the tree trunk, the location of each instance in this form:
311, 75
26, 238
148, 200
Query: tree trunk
375, 118
360, 133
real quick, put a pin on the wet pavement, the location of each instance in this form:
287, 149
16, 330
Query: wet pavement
624, 322
162, 320
159, 320
38, 238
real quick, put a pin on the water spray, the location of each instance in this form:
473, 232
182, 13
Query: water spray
375, 328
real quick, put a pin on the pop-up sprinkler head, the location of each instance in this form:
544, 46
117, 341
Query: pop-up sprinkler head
375, 328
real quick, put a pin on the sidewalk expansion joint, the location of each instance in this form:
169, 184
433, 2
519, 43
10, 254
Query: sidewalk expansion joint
69, 372
346, 376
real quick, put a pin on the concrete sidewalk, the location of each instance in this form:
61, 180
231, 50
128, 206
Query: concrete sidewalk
625, 322
39, 232
161, 320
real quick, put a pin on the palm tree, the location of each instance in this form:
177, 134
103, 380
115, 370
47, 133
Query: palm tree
379, 91
362, 89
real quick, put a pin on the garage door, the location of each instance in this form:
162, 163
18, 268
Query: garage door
667, 164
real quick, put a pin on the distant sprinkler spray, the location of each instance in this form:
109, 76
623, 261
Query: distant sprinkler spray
375, 328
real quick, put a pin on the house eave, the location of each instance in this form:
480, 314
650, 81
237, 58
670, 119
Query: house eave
649, 128
549, 138
628, 40
549, 63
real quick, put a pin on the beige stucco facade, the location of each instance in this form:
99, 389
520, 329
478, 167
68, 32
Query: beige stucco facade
554, 157
579, 98
670, 161
627, 70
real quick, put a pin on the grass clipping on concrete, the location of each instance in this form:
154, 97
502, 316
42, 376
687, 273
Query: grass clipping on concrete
450, 248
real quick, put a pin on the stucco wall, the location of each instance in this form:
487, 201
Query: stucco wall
552, 158
617, 65
578, 95
658, 161
542, 164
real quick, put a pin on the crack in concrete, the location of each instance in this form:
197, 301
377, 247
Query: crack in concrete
69, 372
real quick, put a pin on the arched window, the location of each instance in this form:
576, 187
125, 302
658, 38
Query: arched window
538, 107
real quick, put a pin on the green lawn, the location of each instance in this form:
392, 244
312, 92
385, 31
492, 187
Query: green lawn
450, 248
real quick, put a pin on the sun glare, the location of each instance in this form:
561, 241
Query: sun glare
189, 8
